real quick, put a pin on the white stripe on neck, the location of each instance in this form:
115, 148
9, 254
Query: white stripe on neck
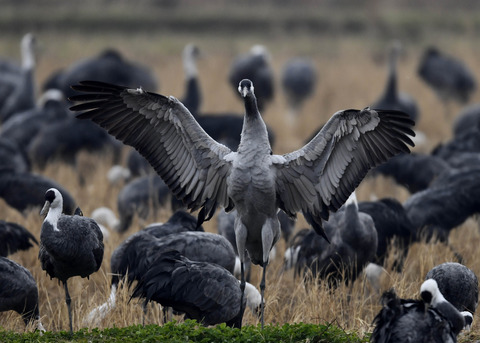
53, 216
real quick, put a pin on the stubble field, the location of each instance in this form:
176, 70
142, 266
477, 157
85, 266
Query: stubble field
351, 74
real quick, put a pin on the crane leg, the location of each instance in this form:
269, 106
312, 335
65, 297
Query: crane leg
270, 235
242, 287
144, 312
241, 238
68, 300
262, 293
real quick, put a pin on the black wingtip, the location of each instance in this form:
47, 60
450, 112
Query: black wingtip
317, 225
320, 230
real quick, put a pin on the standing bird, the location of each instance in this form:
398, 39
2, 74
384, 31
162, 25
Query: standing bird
17, 85
316, 179
392, 99
19, 292
225, 128
299, 78
255, 66
449, 77
69, 245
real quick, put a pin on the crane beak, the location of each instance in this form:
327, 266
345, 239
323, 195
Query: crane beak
45, 208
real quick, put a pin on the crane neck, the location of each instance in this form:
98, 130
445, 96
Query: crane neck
254, 130
391, 90
28, 56
251, 107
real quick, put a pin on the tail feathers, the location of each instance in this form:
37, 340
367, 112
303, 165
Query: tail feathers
156, 282
100, 312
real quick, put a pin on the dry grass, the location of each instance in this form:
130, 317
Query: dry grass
348, 78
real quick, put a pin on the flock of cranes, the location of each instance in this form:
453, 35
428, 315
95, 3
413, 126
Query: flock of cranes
225, 160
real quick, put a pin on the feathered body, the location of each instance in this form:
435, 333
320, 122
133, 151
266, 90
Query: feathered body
203, 291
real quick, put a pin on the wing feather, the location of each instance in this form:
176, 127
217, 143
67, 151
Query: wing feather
189, 161
322, 174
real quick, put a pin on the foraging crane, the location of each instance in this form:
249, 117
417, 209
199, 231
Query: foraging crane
392, 99
458, 284
19, 292
431, 319
204, 291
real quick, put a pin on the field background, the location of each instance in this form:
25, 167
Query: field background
347, 41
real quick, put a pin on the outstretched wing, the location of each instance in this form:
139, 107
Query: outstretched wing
319, 177
188, 160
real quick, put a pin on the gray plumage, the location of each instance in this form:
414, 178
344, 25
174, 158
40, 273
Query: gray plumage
414, 171
24, 126
203, 291
69, 245
108, 66
64, 139
392, 99
226, 228
353, 245
467, 120
138, 165
18, 291
299, 79
446, 204
466, 142
140, 196
391, 223
204, 174
14, 237
449, 77
431, 319
180, 221
225, 128
12, 157
17, 86
254, 66
457, 283
134, 256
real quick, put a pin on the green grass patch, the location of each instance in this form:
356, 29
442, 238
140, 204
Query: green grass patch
191, 331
